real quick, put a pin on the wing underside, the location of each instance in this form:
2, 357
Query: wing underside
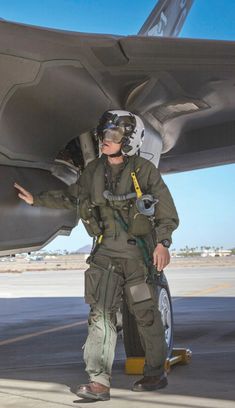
54, 85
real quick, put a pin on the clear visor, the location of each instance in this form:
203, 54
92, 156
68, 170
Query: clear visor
114, 135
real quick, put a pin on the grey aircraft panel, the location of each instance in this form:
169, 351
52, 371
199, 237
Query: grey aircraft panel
182, 88
25, 227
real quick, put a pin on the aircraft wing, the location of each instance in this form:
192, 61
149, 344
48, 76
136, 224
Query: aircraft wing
54, 85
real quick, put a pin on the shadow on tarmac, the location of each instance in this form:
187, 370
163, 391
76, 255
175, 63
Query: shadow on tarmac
203, 324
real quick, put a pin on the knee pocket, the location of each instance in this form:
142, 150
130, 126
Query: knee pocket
139, 294
141, 300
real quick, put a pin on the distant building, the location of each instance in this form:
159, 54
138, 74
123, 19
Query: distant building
214, 253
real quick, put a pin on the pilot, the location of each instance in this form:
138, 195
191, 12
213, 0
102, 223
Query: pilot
126, 206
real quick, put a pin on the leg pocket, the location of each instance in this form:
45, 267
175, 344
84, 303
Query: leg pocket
92, 285
139, 296
103, 287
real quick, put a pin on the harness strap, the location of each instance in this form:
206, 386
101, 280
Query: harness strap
151, 275
96, 243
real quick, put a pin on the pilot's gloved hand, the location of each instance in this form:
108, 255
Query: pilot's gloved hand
161, 257
24, 194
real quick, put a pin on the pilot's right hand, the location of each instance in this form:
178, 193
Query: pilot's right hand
24, 194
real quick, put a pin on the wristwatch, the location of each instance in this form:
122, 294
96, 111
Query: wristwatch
166, 243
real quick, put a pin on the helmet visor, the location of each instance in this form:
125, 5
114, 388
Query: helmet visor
114, 134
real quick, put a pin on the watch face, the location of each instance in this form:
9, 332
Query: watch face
166, 243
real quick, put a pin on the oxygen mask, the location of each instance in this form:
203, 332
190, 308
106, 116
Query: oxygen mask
146, 204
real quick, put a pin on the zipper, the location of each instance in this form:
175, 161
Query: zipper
110, 269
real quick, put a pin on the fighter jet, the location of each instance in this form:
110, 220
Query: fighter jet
55, 85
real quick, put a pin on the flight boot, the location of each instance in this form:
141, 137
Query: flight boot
93, 391
150, 383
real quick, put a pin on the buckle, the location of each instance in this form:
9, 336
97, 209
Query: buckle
131, 241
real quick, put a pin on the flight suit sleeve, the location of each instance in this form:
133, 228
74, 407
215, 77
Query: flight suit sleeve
68, 198
167, 219
84, 183
65, 199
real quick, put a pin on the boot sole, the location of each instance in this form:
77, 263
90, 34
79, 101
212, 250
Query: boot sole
161, 384
93, 396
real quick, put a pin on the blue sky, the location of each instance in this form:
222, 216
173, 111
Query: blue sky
205, 199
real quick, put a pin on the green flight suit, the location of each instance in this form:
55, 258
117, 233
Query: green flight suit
118, 264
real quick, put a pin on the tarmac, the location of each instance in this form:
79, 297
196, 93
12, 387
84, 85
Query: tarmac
43, 328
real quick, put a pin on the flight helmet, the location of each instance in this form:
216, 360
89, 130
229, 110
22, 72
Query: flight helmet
122, 127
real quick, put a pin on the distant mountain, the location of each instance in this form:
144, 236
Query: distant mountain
84, 250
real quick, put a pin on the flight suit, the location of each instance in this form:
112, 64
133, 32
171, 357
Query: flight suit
117, 264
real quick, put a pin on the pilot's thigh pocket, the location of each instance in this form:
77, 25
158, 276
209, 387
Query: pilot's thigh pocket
103, 286
92, 285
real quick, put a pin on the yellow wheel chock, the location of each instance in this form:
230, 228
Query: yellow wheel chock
135, 365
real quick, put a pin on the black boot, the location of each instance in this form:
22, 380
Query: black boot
150, 383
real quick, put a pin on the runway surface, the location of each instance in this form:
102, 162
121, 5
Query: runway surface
43, 328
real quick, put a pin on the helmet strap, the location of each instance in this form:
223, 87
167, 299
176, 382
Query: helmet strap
118, 154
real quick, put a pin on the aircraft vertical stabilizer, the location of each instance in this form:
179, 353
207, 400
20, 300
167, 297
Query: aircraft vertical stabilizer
166, 19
